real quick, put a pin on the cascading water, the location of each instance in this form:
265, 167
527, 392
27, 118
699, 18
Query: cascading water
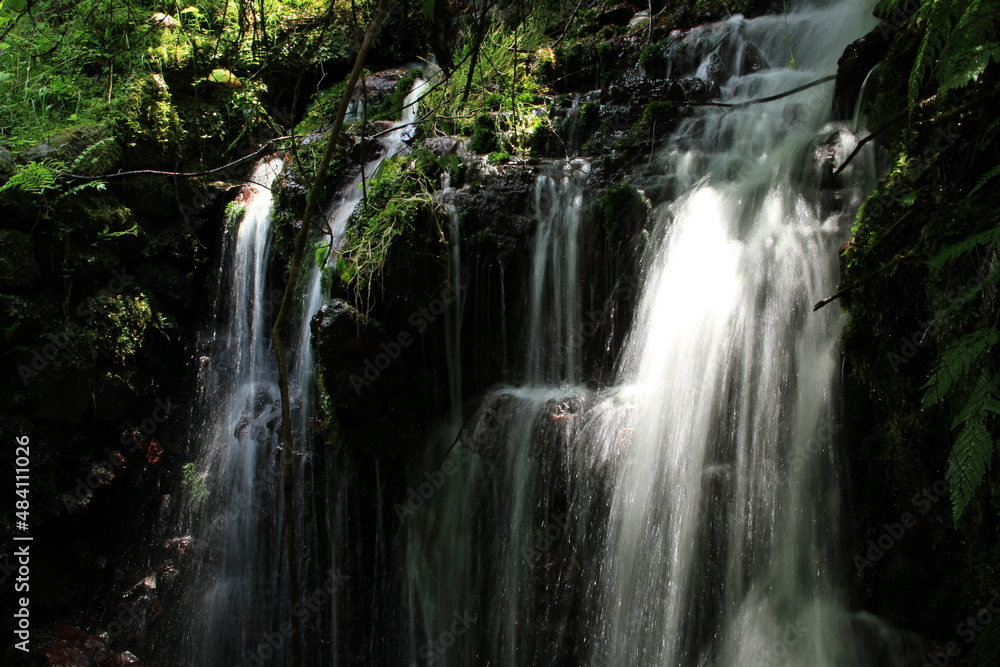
716, 545
234, 594
234, 517
687, 515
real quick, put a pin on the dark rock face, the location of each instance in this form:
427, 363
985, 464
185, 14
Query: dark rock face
854, 65
365, 374
18, 267
619, 15
753, 60
68, 646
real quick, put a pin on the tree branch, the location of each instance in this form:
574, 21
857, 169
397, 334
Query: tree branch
278, 331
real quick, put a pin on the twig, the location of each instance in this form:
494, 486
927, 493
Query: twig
568, 24
263, 150
761, 100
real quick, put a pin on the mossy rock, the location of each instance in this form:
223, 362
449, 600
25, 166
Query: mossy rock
484, 135
151, 126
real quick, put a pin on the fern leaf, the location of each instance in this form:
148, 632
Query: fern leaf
967, 465
956, 250
980, 401
991, 174
971, 46
956, 362
956, 302
938, 17
34, 177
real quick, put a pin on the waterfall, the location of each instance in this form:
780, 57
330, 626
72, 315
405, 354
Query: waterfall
232, 504
721, 540
234, 596
687, 514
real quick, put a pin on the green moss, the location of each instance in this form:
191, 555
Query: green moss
194, 484
151, 124
617, 205
322, 109
498, 157
484, 135
399, 197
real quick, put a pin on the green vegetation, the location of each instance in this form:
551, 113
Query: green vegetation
922, 339
194, 483
400, 207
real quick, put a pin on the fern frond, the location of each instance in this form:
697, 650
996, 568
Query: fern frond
956, 250
34, 177
956, 362
967, 464
938, 17
971, 47
991, 174
980, 401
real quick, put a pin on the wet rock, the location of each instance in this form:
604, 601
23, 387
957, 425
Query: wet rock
375, 90
752, 61
68, 646
410, 134
364, 149
441, 146
261, 418
717, 70
18, 267
853, 67
178, 546
692, 89
381, 83
639, 21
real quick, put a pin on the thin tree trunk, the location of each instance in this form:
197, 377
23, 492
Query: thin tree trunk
278, 332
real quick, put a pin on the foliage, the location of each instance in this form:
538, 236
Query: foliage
34, 177
959, 41
506, 82
194, 483
399, 199
617, 204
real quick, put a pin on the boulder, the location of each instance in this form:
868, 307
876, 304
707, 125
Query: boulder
853, 67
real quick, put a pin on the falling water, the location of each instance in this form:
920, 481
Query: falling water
688, 514
235, 598
230, 592
717, 548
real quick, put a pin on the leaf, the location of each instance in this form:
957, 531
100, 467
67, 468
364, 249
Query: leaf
971, 46
224, 77
346, 269
34, 177
428, 10
967, 465
991, 174
956, 250
980, 401
956, 362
